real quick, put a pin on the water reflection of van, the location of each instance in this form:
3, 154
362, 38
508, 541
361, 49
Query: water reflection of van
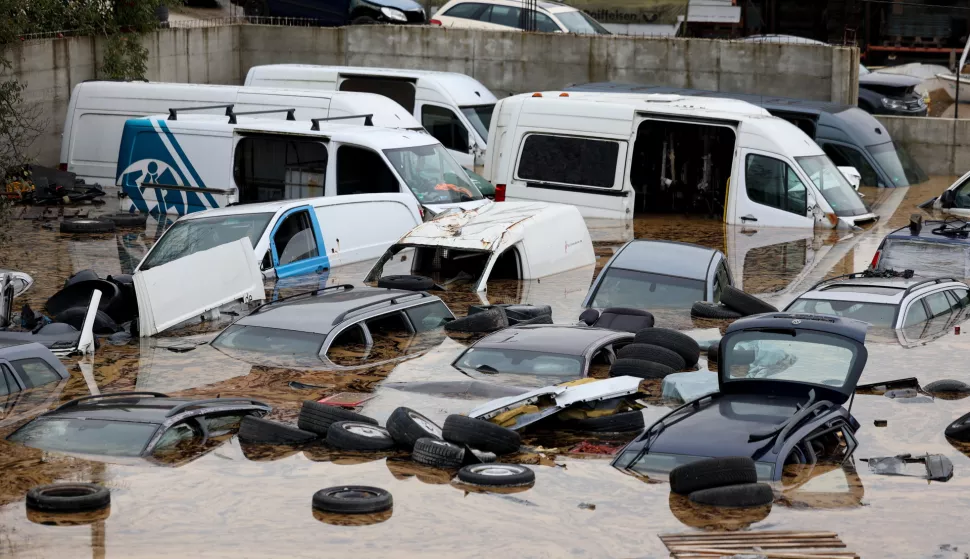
850, 136
197, 162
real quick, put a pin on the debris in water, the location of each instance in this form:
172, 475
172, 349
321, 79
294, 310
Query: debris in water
587, 506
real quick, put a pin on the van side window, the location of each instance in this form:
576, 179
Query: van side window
361, 171
444, 125
294, 239
400, 91
569, 160
844, 156
772, 182
273, 168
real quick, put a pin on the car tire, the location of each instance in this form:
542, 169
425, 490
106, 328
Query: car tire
589, 317
654, 353
78, 294
85, 226
352, 499
83, 275
356, 435
624, 422
741, 495
497, 475
639, 368
407, 427
103, 324
712, 472
317, 418
947, 385
480, 434
542, 319
712, 352
684, 345
703, 309
518, 314
127, 219
408, 283
485, 321
737, 300
68, 497
438, 454
959, 430
263, 431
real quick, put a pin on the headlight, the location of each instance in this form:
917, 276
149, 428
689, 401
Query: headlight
893, 103
396, 15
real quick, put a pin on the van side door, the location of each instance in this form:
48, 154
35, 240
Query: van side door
357, 231
767, 191
448, 127
296, 245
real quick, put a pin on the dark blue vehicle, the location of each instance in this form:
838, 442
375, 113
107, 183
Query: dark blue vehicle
339, 12
783, 380
930, 249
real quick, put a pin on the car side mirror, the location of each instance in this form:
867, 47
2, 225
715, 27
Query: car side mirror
948, 198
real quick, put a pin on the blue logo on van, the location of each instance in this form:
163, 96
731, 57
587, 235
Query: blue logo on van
150, 155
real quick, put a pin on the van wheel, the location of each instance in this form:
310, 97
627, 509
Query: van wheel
87, 226
363, 20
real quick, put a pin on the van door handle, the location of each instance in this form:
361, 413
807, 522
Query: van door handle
748, 217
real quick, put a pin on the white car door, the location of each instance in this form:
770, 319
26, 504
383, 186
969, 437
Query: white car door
767, 191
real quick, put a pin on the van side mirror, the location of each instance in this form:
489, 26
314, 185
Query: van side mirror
948, 198
479, 155
852, 175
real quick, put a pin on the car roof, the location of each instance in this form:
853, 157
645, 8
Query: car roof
283, 205
141, 409
562, 339
852, 289
665, 257
319, 312
13, 343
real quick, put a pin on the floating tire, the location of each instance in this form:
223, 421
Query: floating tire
486, 321
712, 352
497, 475
103, 324
127, 219
681, 343
947, 385
480, 434
79, 295
83, 275
408, 283
639, 368
317, 418
542, 319
624, 422
712, 472
352, 499
263, 431
68, 497
741, 495
438, 454
654, 353
85, 226
703, 309
407, 426
356, 435
735, 299
959, 430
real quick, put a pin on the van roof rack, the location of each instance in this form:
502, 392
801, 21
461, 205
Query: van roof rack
173, 113
368, 120
290, 113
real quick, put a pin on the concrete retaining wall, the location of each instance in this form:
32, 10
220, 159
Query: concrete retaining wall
940, 145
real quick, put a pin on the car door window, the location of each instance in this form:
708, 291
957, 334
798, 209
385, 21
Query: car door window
428, 317
218, 425
349, 347
445, 126
773, 182
179, 436
721, 279
505, 15
295, 240
362, 171
467, 10
8, 385
543, 23
962, 192
938, 304
961, 297
915, 315
35, 372
845, 156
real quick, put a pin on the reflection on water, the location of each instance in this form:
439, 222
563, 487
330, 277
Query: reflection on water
238, 496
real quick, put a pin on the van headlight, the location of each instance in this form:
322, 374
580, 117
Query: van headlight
392, 14
893, 103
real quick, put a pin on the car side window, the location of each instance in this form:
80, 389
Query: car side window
178, 435
295, 239
8, 384
349, 346
505, 15
445, 126
35, 372
962, 193
961, 297
220, 424
916, 314
845, 156
392, 324
773, 183
468, 10
938, 304
362, 171
428, 317
544, 23
721, 279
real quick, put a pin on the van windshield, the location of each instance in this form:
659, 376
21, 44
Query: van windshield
433, 175
833, 186
480, 116
195, 235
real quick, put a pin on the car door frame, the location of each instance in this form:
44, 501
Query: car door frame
465, 159
920, 298
21, 383
741, 206
318, 264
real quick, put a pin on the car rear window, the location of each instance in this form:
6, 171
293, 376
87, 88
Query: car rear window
927, 259
36, 372
86, 436
798, 356
641, 290
520, 362
877, 314
270, 340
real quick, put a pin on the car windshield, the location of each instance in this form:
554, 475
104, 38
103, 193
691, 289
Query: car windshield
834, 188
879, 315
642, 290
86, 436
270, 340
797, 355
433, 175
926, 258
195, 235
897, 163
480, 116
520, 362
579, 22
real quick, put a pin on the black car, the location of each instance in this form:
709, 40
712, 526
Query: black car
890, 94
139, 425
339, 12
783, 380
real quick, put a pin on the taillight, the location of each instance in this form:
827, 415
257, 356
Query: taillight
499, 192
62, 166
435, 22
875, 260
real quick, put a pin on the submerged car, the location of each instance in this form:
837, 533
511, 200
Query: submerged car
783, 379
25, 365
646, 274
929, 249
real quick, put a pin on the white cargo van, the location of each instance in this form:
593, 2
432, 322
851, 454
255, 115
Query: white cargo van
454, 108
187, 162
615, 155
98, 110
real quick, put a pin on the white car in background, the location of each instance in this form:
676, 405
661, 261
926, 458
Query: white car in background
550, 17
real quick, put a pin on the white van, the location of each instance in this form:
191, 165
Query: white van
98, 110
187, 162
454, 108
615, 155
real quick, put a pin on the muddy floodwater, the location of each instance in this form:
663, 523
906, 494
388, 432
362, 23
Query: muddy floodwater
233, 499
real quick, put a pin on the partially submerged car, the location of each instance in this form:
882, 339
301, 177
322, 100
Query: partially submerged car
511, 240
25, 365
146, 425
783, 380
647, 274
60, 338
21, 282
930, 249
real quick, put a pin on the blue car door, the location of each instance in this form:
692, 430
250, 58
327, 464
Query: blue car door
296, 244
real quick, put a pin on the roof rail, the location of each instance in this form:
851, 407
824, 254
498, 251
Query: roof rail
186, 405
933, 281
290, 113
77, 401
392, 300
368, 120
173, 113
346, 286
905, 274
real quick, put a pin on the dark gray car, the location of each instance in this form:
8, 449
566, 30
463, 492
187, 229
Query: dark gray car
25, 365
